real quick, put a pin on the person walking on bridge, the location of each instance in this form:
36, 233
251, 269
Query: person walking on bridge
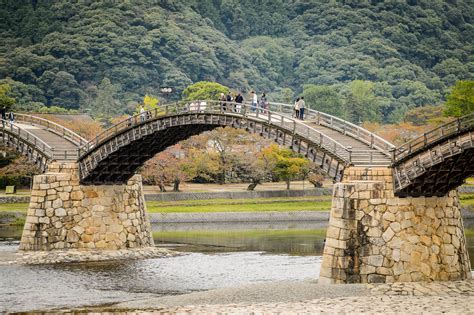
11, 116
254, 101
4, 115
296, 108
239, 99
262, 103
222, 101
142, 114
302, 107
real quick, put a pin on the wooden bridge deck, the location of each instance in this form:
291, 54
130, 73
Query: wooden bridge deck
64, 149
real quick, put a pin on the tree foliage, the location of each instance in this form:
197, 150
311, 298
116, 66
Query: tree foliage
59, 53
204, 90
288, 165
461, 99
6, 101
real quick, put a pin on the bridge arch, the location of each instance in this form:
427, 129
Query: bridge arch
114, 155
436, 162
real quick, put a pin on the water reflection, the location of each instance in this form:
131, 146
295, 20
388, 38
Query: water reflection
301, 238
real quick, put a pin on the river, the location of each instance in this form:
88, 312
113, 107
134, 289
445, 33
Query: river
215, 256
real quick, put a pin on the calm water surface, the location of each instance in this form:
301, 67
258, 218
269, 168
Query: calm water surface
216, 255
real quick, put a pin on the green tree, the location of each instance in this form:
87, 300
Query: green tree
6, 101
204, 90
325, 99
460, 101
288, 165
106, 105
362, 103
287, 95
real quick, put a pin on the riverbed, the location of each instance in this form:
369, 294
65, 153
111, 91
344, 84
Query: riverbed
215, 256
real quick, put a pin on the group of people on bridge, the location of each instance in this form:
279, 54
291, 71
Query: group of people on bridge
299, 108
257, 104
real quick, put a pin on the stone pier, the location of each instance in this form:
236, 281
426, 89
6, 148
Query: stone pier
374, 236
63, 214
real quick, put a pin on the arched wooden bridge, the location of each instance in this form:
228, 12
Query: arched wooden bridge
332, 143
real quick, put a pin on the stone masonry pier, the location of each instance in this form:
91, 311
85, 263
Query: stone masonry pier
374, 236
63, 214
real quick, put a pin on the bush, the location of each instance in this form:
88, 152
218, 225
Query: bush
13, 180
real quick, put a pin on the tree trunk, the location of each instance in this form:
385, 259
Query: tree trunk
176, 185
252, 186
288, 184
162, 186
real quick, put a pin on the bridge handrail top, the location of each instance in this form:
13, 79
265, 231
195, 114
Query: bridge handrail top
407, 146
389, 145
74, 134
100, 137
12, 126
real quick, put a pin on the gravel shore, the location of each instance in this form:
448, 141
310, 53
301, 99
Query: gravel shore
308, 297
279, 291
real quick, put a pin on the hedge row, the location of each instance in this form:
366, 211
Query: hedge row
12, 180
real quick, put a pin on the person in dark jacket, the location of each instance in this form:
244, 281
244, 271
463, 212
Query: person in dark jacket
11, 116
239, 99
4, 115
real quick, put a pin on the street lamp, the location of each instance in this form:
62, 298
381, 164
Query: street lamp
166, 90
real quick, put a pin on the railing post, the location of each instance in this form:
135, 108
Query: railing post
349, 149
372, 140
393, 154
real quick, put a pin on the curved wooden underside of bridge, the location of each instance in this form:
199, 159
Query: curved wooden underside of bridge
437, 162
117, 158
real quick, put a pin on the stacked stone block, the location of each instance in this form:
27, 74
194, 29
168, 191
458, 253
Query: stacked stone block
374, 236
63, 214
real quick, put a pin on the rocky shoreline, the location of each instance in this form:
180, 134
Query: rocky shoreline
78, 256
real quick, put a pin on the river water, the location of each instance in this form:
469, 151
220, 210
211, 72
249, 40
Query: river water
215, 256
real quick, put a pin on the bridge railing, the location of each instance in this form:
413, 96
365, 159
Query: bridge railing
27, 137
53, 127
432, 137
244, 110
339, 124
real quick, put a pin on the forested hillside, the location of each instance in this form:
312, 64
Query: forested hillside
380, 57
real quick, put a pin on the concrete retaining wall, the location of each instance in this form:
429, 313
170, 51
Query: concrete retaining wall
238, 194
14, 199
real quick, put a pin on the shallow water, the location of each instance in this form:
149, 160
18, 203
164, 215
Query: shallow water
205, 265
216, 255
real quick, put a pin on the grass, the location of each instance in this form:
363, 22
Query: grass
240, 201
216, 205
467, 199
322, 203
469, 181
13, 207
157, 207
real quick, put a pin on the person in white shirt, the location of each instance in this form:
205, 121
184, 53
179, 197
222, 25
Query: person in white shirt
254, 101
296, 107
142, 114
302, 107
